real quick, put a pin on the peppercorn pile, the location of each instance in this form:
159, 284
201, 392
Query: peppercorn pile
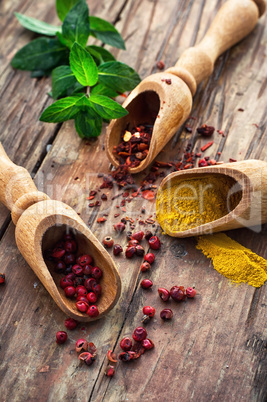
81, 278
134, 146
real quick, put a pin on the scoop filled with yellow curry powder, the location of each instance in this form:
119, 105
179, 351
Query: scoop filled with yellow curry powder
185, 203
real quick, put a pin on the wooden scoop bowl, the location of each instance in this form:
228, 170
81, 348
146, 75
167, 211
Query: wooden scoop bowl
249, 177
40, 223
165, 99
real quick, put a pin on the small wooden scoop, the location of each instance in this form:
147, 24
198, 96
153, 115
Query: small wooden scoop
249, 177
165, 99
40, 223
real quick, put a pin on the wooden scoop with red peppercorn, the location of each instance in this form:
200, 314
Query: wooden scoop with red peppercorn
40, 224
164, 100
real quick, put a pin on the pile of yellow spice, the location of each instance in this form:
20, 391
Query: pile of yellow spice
235, 262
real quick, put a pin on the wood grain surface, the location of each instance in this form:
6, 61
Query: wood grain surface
215, 348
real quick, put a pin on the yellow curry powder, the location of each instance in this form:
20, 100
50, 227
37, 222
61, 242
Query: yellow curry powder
235, 262
186, 203
183, 204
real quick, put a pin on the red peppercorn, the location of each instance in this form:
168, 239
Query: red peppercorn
89, 283
166, 314
148, 235
96, 273
82, 299
139, 250
58, 253
70, 323
117, 249
108, 242
150, 257
130, 251
2, 278
164, 294
64, 282
178, 293
138, 235
87, 357
145, 266
70, 291
60, 267
82, 306
148, 310
87, 269
69, 258
126, 343
110, 371
190, 292
127, 356
97, 289
81, 291
139, 334
133, 242
146, 283
61, 337
154, 242
84, 260
77, 270
70, 276
91, 297
119, 227
147, 344
93, 311
202, 163
70, 246
81, 345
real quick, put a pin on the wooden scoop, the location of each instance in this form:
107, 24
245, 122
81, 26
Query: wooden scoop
40, 223
165, 99
248, 177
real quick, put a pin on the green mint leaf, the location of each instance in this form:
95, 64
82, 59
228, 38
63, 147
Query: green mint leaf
88, 124
83, 66
76, 25
37, 26
63, 79
100, 89
40, 54
61, 110
40, 73
63, 40
63, 7
106, 32
100, 54
106, 107
118, 76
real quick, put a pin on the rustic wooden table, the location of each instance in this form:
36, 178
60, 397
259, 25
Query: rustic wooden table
215, 347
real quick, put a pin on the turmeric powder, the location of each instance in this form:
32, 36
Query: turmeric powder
235, 262
186, 203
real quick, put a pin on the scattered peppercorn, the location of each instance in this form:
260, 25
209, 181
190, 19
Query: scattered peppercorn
146, 283
108, 242
154, 242
166, 314
61, 337
178, 293
164, 294
117, 249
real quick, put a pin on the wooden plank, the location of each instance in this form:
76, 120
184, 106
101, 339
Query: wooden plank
214, 349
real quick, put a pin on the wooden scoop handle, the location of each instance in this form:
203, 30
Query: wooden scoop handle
17, 190
235, 20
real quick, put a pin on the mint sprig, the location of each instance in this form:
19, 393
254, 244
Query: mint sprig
84, 77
